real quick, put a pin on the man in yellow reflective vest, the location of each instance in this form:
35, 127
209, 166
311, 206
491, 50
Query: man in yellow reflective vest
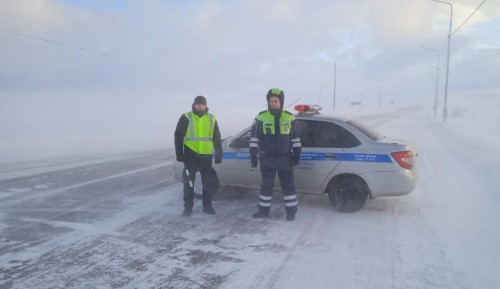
197, 138
275, 138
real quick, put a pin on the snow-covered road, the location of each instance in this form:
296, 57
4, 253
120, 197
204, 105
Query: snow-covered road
117, 224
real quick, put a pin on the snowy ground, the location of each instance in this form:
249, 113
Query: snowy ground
116, 223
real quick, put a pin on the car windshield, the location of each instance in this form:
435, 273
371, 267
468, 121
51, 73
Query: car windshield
365, 130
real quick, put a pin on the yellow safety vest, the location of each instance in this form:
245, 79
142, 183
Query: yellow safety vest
268, 122
200, 133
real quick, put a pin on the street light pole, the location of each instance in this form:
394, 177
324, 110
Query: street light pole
436, 99
445, 104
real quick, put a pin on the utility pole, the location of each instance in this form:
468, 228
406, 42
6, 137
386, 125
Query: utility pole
445, 104
436, 98
319, 94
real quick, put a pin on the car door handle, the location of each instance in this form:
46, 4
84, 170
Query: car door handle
330, 157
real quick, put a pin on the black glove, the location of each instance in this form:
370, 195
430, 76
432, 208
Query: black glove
296, 156
253, 157
254, 161
218, 158
180, 158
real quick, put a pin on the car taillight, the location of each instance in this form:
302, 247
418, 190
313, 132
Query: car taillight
404, 159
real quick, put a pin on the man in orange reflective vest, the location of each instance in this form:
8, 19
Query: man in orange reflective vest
197, 138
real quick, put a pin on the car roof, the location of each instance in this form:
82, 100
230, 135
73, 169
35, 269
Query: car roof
323, 117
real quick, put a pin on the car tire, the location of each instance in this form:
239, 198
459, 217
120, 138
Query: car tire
348, 194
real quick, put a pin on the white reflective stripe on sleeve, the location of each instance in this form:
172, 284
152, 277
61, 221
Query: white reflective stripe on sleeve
295, 139
254, 145
254, 139
294, 197
293, 204
265, 198
296, 145
264, 204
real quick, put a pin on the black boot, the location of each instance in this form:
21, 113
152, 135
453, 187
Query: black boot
262, 213
290, 213
187, 212
209, 209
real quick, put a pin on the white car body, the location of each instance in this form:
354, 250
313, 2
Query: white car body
333, 148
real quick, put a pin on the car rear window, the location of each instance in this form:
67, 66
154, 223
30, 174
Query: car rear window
365, 130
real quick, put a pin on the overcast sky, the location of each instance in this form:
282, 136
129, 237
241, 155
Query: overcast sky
81, 76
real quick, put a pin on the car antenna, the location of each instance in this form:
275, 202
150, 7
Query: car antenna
292, 102
319, 95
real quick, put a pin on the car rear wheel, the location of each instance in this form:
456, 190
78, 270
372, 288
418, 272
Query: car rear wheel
348, 194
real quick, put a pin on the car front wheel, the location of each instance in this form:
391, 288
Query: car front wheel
348, 194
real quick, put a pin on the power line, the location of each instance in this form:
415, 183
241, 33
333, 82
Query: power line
33, 37
53, 41
88, 9
69, 46
469, 17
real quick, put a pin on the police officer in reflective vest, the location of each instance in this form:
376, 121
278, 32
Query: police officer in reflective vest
197, 137
274, 137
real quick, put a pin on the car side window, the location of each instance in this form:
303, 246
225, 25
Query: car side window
242, 141
325, 134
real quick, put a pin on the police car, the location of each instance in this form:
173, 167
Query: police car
340, 157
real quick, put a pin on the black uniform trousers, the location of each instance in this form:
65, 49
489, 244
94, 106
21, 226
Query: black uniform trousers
269, 166
203, 164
